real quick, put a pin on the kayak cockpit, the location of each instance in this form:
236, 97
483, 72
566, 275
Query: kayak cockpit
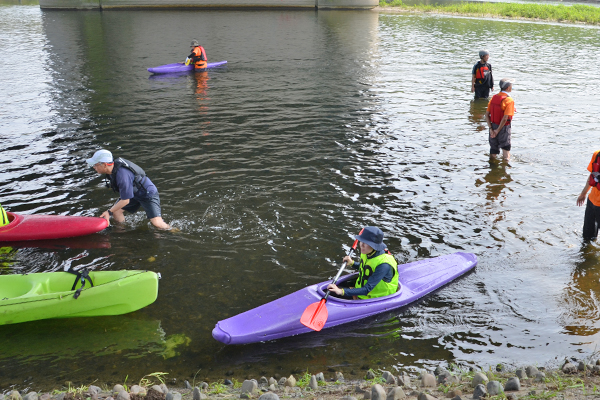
348, 281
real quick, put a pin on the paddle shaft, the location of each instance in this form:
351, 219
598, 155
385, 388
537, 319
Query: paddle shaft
353, 248
315, 315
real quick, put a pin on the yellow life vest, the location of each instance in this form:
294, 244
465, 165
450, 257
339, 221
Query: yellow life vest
3, 217
367, 268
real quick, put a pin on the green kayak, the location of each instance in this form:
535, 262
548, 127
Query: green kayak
33, 297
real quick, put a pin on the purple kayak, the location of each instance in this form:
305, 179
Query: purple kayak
180, 67
281, 318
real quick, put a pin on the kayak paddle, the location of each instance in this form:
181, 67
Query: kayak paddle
315, 315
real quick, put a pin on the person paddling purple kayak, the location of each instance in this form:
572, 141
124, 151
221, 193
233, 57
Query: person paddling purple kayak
378, 269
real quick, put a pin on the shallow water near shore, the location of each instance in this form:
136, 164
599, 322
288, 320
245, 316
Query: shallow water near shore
321, 123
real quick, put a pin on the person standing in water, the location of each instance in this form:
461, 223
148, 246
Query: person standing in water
499, 114
482, 80
134, 187
591, 220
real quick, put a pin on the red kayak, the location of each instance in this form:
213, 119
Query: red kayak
42, 227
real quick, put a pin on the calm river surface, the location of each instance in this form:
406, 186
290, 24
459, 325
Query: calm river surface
321, 123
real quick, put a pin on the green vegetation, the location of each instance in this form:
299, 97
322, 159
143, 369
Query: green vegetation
148, 380
548, 12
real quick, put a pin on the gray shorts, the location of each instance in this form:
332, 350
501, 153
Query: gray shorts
151, 206
501, 141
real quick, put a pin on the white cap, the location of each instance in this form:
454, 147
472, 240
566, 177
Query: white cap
103, 156
505, 83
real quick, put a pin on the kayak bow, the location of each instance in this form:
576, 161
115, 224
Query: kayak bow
42, 227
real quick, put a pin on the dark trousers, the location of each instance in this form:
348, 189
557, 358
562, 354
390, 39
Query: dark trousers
482, 92
591, 221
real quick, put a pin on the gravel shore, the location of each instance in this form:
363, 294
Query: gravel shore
576, 379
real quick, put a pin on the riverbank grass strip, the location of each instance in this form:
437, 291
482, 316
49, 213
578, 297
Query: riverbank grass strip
549, 12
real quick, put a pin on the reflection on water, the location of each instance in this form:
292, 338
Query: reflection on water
477, 114
581, 310
321, 123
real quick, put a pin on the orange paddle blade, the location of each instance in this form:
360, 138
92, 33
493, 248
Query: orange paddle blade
315, 316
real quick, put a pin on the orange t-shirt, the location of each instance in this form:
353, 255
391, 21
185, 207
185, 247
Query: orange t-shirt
595, 193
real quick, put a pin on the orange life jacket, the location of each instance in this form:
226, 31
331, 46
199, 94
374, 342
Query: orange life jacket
200, 60
595, 175
481, 73
496, 111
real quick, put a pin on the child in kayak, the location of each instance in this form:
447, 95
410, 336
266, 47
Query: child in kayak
378, 269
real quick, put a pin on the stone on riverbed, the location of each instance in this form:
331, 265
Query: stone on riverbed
198, 395
290, 381
117, 388
370, 375
282, 381
136, 389
569, 368
479, 392
313, 384
396, 393
269, 396
250, 386
539, 377
426, 396
513, 384
479, 379
320, 377
377, 392
272, 381
157, 388
494, 388
123, 395
164, 388
521, 374
403, 380
272, 388
263, 381
531, 370
31, 396
428, 380
388, 377
339, 377
94, 390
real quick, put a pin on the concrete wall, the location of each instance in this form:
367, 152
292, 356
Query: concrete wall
124, 4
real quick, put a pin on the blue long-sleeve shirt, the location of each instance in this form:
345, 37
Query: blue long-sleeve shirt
382, 271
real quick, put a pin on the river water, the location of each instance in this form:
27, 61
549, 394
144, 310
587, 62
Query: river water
321, 123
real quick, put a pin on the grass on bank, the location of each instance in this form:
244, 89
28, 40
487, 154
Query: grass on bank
549, 12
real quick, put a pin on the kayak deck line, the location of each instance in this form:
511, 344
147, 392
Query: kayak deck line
62, 294
281, 318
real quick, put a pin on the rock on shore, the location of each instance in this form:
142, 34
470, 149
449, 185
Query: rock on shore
571, 381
